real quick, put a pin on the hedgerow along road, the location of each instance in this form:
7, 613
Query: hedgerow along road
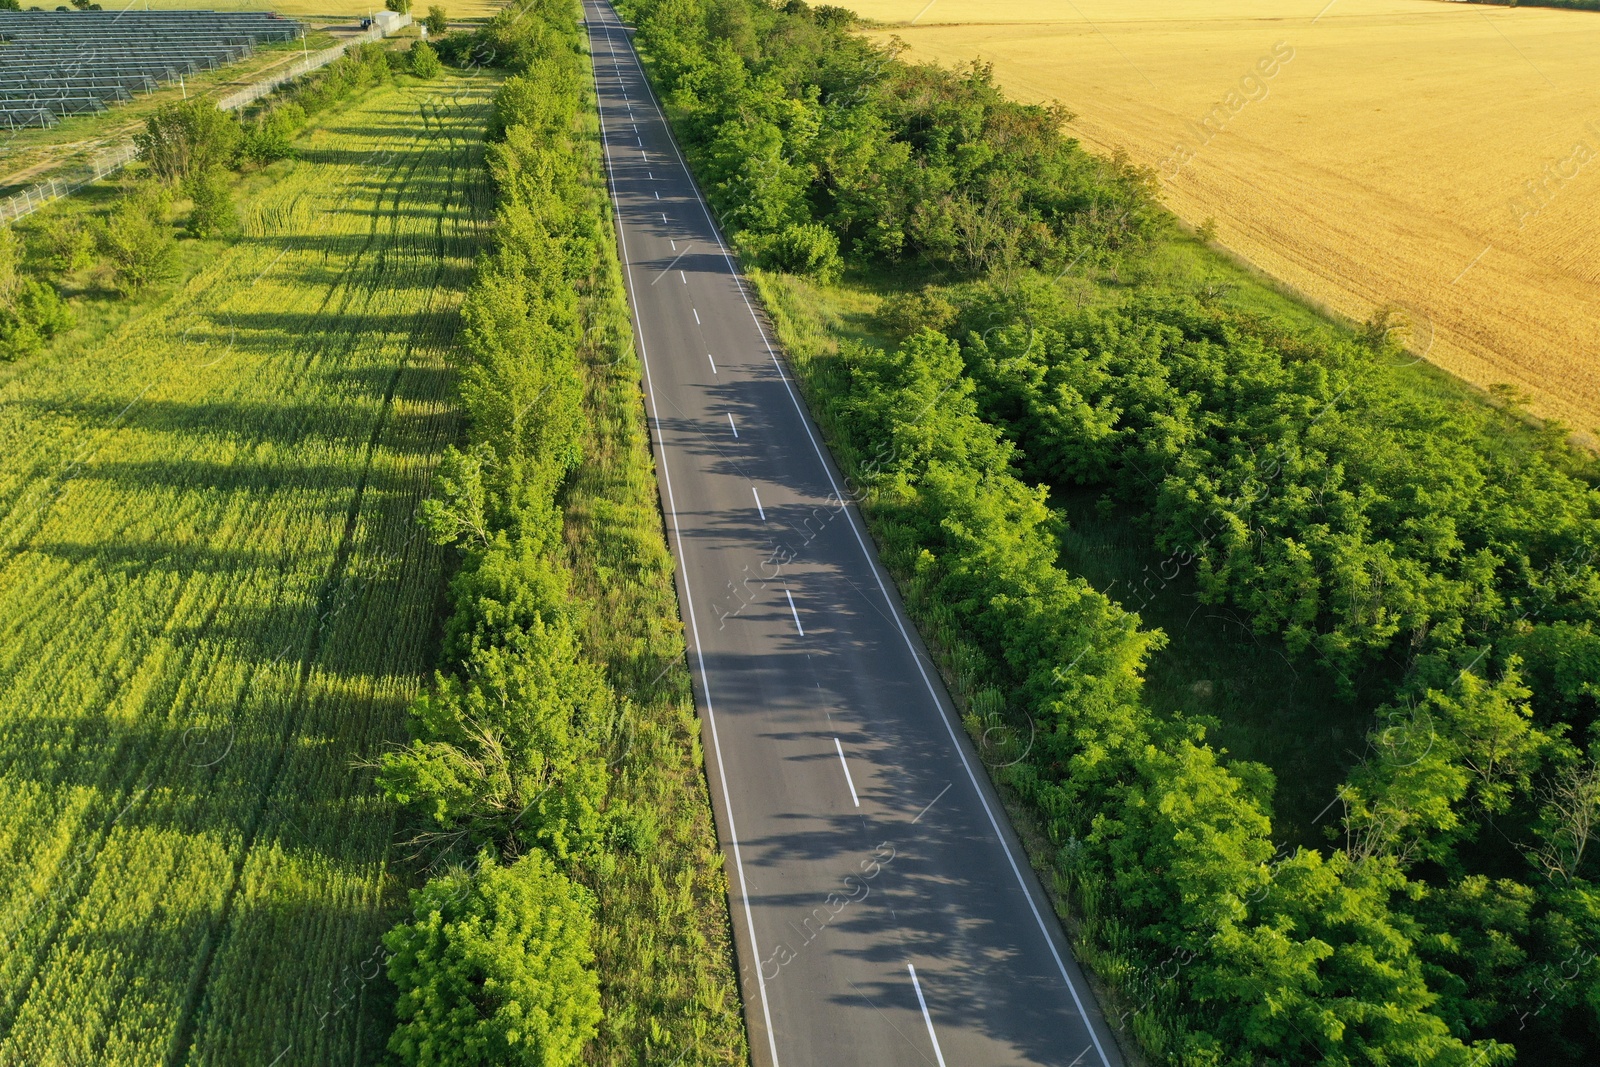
884, 912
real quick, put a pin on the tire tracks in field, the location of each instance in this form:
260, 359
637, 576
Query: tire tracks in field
375, 279
66, 899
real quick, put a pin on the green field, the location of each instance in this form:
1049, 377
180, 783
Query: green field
214, 604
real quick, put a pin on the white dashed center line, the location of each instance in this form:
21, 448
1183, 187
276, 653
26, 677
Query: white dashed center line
837, 746
795, 612
925, 1016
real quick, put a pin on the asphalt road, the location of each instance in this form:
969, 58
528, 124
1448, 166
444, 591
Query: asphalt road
883, 911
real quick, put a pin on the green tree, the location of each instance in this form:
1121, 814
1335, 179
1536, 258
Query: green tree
437, 22
753, 179
510, 756
399, 7
458, 512
188, 137
31, 312
1569, 817
1490, 727
424, 60
137, 242
211, 191
68, 244
495, 968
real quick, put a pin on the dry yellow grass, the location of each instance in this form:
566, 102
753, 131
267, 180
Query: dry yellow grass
1442, 156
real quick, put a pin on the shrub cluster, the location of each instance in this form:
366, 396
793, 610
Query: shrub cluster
31, 312
1436, 550
1166, 851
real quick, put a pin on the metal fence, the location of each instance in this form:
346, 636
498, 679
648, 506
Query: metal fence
114, 159
302, 67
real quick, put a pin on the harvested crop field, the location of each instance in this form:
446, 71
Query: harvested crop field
1442, 157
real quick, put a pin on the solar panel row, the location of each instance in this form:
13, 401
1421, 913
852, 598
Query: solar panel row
55, 63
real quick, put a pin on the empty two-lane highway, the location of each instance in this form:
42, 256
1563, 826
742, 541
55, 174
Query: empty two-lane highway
883, 912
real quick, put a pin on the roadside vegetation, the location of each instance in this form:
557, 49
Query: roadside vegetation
1036, 380
577, 908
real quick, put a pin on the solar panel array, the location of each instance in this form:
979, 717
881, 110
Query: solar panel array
55, 63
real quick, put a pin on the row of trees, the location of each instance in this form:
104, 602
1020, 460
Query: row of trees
1367, 527
506, 777
812, 143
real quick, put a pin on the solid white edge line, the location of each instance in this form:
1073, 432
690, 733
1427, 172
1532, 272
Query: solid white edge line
694, 629
926, 1018
795, 612
872, 563
851, 782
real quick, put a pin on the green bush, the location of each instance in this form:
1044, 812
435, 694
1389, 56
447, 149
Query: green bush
359, 68
437, 22
188, 137
495, 969
137, 241
67, 245
31, 312
809, 249
211, 191
270, 134
34, 312
424, 60
904, 314
401, 7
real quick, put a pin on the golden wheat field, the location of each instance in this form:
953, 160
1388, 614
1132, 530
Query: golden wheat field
1440, 156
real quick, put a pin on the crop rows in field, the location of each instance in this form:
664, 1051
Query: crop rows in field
214, 603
